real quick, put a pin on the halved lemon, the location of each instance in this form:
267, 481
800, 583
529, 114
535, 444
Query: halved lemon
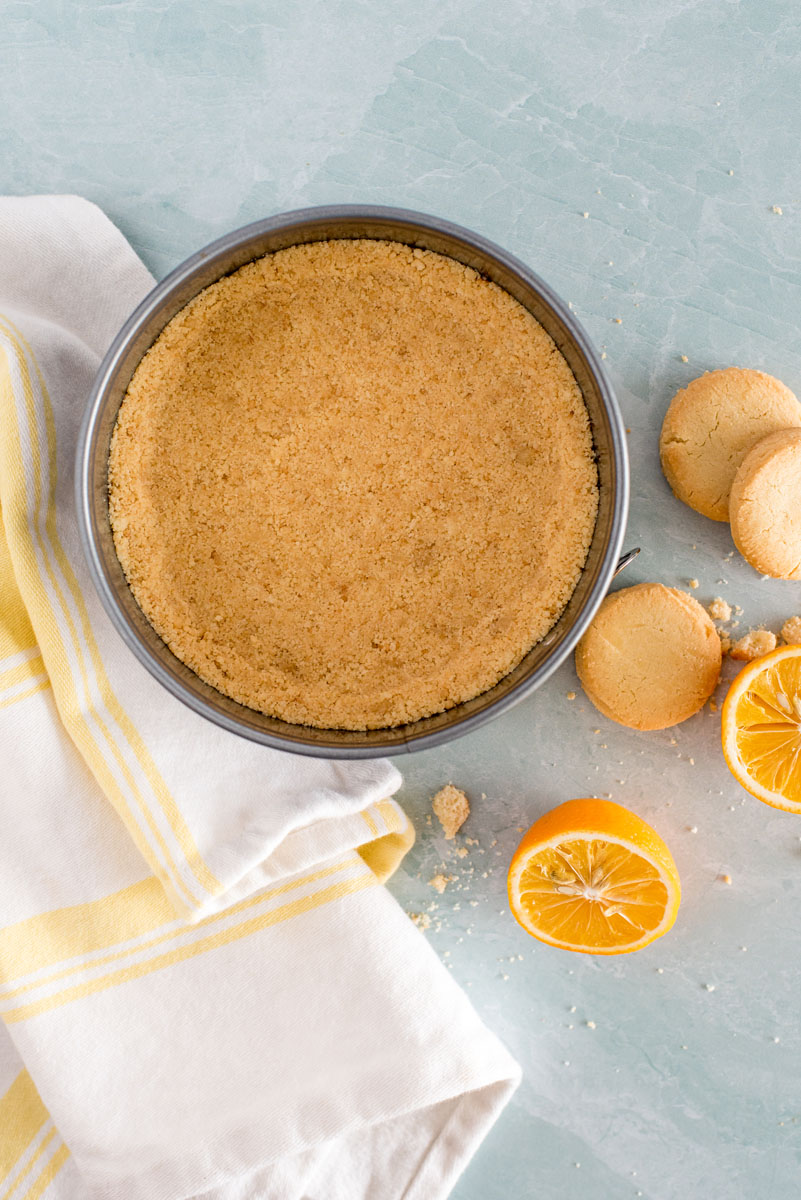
592, 876
761, 728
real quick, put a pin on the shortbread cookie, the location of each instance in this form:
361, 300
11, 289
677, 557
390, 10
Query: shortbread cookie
712, 424
651, 658
765, 505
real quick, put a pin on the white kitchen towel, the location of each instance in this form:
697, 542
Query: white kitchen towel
210, 990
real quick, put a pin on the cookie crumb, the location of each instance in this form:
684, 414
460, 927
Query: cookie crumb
591, 1025
776, 208
725, 879
753, 645
719, 609
571, 695
710, 987
618, 320
452, 808
421, 920
585, 215
684, 358
440, 882
693, 583
791, 631
713, 706
462, 852
725, 642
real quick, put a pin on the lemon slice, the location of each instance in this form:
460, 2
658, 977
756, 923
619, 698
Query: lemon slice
593, 877
761, 728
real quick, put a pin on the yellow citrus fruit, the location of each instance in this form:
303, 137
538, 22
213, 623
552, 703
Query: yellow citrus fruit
593, 877
761, 728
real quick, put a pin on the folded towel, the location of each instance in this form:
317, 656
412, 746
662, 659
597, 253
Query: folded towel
210, 990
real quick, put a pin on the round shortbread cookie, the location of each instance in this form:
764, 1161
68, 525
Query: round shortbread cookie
712, 424
651, 657
765, 505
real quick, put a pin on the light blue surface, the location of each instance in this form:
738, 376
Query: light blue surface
675, 127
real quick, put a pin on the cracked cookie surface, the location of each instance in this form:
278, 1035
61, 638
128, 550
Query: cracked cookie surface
712, 424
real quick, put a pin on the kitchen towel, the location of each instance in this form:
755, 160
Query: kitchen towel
205, 987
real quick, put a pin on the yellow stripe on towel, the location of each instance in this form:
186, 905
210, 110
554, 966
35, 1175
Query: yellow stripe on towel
22, 1115
222, 937
68, 935
50, 638
47, 1176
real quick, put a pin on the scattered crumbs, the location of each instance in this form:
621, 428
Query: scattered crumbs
596, 731
776, 1041
440, 882
452, 808
776, 208
713, 706
570, 1027
660, 970
571, 695
744, 949
725, 879
710, 987
730, 172
618, 320
684, 358
566, 1062
520, 829
421, 920
673, 742
719, 609
572, 1008
693, 583
494, 842
753, 645
692, 828
791, 631
628, 429
483, 795
685, 1047
520, 958
585, 215
574, 1164
474, 841
474, 904
725, 642
603, 354
462, 851
591, 1025
505, 978
610, 263
691, 761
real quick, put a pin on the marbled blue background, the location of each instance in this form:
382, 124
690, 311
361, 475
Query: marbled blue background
675, 126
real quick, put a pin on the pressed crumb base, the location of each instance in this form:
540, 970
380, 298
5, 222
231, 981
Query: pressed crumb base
352, 484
